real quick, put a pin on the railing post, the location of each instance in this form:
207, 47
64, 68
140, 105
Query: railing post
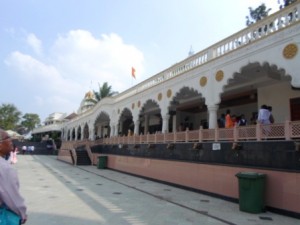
235, 133
174, 137
258, 131
216, 134
186, 134
287, 130
200, 134
148, 137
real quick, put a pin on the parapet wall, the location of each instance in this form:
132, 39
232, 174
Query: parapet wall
211, 168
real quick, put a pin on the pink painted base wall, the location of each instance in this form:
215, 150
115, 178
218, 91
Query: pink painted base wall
282, 188
64, 155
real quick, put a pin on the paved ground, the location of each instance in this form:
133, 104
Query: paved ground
59, 193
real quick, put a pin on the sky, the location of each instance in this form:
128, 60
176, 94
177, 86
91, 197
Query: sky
53, 52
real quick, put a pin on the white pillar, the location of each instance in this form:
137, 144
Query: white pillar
81, 132
92, 133
212, 116
76, 129
165, 125
113, 130
136, 127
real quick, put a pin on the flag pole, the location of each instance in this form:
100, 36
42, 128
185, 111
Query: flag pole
132, 75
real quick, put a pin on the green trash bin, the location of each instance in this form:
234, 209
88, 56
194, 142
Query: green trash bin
102, 162
251, 192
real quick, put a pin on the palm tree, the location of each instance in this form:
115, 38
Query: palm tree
257, 14
104, 91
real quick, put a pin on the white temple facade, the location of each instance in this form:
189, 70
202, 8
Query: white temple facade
255, 66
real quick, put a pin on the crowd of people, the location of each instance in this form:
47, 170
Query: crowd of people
264, 117
29, 149
227, 120
12, 156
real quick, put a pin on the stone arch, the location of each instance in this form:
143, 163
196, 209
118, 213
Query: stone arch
150, 117
188, 110
255, 74
101, 125
245, 89
126, 124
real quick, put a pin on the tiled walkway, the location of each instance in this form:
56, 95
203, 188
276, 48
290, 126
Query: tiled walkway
59, 193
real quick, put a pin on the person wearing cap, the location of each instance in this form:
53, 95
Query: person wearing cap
9, 182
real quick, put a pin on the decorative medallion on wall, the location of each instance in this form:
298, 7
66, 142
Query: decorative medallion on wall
290, 51
132, 106
159, 96
203, 81
219, 75
139, 104
169, 93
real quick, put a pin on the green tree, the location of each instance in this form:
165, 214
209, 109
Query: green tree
30, 121
285, 3
9, 116
257, 14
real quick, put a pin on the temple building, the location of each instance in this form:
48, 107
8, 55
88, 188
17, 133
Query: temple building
168, 128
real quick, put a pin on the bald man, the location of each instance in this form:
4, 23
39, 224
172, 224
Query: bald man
9, 182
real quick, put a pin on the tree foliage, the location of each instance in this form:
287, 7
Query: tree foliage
104, 91
257, 14
9, 116
30, 121
285, 3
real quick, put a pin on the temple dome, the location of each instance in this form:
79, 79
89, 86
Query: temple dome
89, 95
87, 102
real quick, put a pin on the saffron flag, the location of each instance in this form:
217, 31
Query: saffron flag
133, 72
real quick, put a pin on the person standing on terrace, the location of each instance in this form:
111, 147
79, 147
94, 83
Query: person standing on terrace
228, 120
264, 115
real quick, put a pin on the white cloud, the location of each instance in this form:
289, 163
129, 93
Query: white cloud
76, 58
44, 83
35, 43
79, 54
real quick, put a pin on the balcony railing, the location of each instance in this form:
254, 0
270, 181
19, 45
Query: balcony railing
279, 131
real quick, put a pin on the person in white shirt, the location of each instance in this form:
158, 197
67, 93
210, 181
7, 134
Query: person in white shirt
264, 115
9, 182
24, 149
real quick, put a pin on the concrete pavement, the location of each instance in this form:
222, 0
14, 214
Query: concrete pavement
59, 193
